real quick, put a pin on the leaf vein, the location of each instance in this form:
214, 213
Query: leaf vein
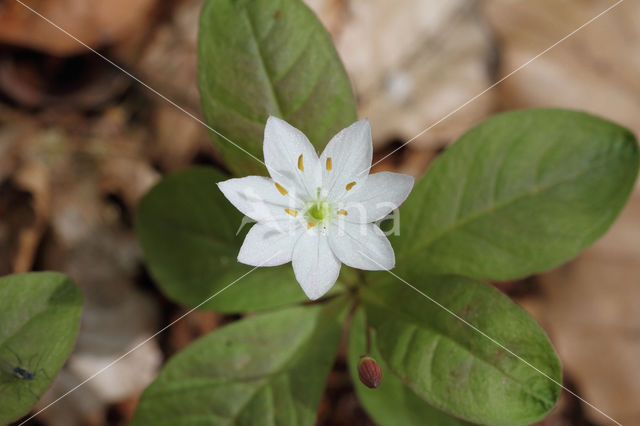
263, 66
472, 217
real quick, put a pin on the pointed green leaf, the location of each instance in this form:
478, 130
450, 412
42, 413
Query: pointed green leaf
188, 233
268, 57
392, 403
521, 193
455, 367
269, 369
39, 321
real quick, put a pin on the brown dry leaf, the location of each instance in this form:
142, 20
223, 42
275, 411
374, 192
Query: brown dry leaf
178, 138
39, 80
34, 178
412, 62
24, 196
170, 57
96, 23
592, 70
409, 161
16, 217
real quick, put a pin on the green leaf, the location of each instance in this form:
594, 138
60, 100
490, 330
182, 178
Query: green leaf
269, 369
39, 317
392, 403
521, 193
268, 57
453, 366
188, 233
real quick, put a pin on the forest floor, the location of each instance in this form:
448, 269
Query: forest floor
81, 142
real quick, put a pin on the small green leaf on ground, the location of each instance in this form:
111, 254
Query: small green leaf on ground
268, 57
269, 369
39, 318
453, 366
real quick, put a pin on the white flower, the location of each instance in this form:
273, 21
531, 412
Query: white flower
317, 212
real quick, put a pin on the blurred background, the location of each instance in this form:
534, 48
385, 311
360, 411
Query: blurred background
81, 142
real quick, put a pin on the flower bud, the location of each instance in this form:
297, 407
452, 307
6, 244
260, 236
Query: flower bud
369, 372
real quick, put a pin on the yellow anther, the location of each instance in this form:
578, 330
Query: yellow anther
310, 225
350, 185
300, 164
291, 212
343, 212
329, 165
281, 189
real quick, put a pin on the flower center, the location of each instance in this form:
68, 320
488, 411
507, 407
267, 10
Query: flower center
319, 211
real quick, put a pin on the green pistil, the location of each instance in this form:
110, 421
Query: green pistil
318, 212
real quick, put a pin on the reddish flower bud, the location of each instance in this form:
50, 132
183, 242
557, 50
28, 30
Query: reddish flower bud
369, 372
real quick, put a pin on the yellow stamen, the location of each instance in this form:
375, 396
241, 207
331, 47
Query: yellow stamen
350, 185
343, 212
329, 165
281, 189
310, 225
291, 212
300, 164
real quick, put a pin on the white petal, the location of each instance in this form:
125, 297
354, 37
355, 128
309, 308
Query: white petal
381, 194
361, 246
315, 266
283, 146
266, 246
259, 198
350, 153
